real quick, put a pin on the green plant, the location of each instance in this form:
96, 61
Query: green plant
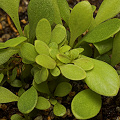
51, 57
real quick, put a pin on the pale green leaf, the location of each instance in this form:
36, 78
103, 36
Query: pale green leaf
103, 31
64, 10
67, 71
103, 79
80, 19
116, 50
107, 11
15, 41
84, 63
43, 31
41, 47
28, 100
21, 91
5, 54
2, 45
104, 46
42, 103
11, 8
86, 104
59, 110
53, 45
58, 34
45, 61
55, 72
7, 96
41, 75
53, 101
28, 52
62, 89
26, 31
53, 52
16, 117
64, 48
38, 9
1, 77
63, 58
74, 53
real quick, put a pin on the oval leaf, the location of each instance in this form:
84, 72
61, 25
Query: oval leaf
80, 19
107, 11
104, 46
42, 28
28, 100
55, 72
67, 71
64, 48
7, 96
84, 63
45, 61
86, 104
58, 34
41, 75
42, 103
15, 41
16, 83
41, 47
12, 11
103, 31
16, 117
1, 77
63, 89
116, 50
59, 110
5, 54
103, 79
64, 10
38, 9
63, 58
28, 52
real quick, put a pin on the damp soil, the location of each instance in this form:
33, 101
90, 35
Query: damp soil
110, 105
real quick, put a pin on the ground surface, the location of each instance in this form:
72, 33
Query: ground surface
111, 105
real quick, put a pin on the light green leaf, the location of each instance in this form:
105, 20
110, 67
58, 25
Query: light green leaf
64, 48
62, 89
11, 8
41, 75
57, 17
38, 9
80, 50
41, 47
104, 46
42, 87
58, 34
74, 53
21, 91
107, 11
53, 52
1, 77
63, 58
103, 79
43, 31
86, 104
15, 41
84, 63
59, 110
55, 72
116, 50
28, 52
5, 54
42, 103
2, 45
53, 101
26, 31
64, 10
28, 100
103, 31
7, 96
13, 76
16, 117
45, 61
80, 20
67, 71
16, 83
53, 45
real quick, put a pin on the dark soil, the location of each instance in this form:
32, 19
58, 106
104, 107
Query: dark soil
111, 105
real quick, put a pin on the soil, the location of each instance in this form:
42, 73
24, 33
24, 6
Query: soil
110, 105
